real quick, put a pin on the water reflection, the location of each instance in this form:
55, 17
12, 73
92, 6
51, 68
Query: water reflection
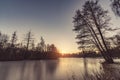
110, 72
85, 68
62, 69
27, 70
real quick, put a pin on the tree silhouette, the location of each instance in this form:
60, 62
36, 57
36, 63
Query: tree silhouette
28, 39
53, 48
3, 40
13, 39
91, 23
10, 50
42, 46
48, 47
42, 43
33, 45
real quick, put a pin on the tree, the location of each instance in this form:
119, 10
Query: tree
28, 39
41, 46
91, 23
3, 40
48, 47
13, 39
33, 45
115, 5
53, 48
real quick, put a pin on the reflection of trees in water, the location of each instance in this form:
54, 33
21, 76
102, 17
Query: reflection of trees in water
51, 67
85, 68
108, 72
37, 68
4, 68
28, 70
12, 71
111, 72
44, 70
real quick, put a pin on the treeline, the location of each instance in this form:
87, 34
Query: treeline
93, 54
11, 49
87, 54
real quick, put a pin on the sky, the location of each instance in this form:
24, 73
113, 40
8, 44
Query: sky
51, 19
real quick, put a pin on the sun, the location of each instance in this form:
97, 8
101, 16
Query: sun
66, 49
63, 51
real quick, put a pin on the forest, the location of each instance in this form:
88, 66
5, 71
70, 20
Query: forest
10, 49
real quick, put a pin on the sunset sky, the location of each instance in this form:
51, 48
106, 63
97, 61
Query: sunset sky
51, 19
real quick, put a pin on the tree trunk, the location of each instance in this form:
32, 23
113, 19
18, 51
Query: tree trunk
108, 58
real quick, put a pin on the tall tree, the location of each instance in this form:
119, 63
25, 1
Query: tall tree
91, 23
13, 39
28, 39
42, 44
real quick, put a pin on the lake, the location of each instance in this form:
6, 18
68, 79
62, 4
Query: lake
61, 69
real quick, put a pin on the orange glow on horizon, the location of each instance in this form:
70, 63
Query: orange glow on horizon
66, 47
67, 51
63, 51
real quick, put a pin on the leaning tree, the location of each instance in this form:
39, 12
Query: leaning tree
28, 39
91, 24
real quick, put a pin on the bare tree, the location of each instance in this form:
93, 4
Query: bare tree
28, 39
13, 39
91, 23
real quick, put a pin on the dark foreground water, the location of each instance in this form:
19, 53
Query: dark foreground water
62, 69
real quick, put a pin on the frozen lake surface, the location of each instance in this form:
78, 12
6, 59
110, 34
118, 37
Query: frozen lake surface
61, 69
